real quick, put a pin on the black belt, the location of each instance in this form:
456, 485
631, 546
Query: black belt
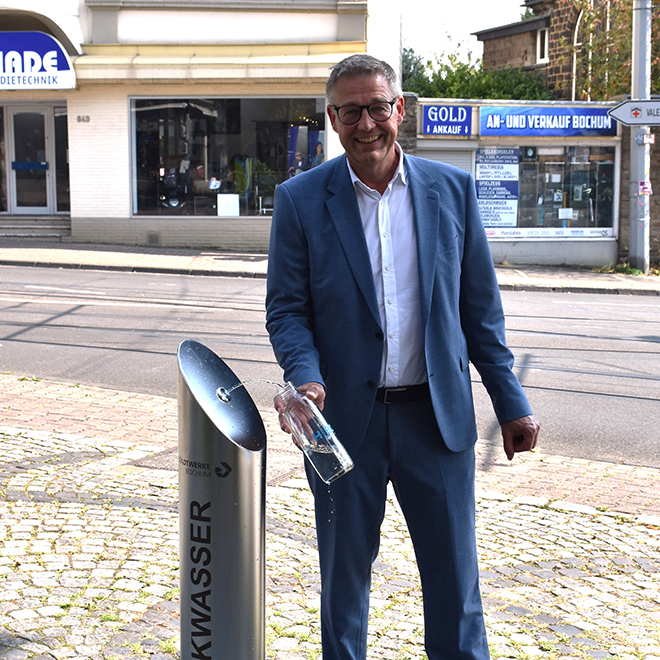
410, 394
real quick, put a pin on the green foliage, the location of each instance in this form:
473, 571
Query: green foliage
450, 77
412, 68
602, 57
604, 49
622, 269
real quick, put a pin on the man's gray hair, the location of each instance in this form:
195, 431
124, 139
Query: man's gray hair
361, 65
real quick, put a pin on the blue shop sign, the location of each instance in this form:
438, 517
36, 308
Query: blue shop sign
451, 120
551, 121
34, 60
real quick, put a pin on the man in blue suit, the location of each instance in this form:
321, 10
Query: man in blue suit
381, 290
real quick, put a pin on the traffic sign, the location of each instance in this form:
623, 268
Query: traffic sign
637, 113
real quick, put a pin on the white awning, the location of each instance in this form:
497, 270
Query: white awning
165, 64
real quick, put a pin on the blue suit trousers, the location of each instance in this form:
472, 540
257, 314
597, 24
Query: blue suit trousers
435, 488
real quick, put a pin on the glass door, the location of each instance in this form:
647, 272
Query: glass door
31, 160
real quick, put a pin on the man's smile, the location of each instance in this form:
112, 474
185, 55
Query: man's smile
369, 144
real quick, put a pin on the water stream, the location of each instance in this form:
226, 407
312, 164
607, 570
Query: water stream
225, 395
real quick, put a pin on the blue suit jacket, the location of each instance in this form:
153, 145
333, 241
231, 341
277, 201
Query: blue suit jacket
322, 313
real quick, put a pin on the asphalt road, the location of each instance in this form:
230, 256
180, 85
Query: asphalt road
591, 367
590, 363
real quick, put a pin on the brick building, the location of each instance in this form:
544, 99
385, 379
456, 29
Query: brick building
521, 45
550, 43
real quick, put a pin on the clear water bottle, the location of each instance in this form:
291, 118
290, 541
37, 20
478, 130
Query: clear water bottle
314, 435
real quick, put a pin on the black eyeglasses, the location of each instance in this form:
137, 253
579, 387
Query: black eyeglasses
351, 114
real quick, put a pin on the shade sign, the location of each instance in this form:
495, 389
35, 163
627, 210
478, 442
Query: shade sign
34, 60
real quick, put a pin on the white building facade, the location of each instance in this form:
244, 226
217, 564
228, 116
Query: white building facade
170, 122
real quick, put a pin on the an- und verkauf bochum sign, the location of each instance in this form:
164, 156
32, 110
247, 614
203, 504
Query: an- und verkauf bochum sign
34, 60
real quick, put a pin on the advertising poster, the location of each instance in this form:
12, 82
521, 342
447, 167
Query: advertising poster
497, 182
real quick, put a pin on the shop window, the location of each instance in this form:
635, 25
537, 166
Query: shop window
546, 191
221, 156
567, 187
3, 171
62, 159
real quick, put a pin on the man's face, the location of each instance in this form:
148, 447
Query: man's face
369, 144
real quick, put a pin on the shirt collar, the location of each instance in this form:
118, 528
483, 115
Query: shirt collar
399, 174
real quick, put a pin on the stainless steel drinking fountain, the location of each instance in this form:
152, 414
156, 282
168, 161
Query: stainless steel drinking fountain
222, 504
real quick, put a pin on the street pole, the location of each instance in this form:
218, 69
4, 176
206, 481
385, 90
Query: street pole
640, 153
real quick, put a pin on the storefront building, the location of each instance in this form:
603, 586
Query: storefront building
547, 174
169, 123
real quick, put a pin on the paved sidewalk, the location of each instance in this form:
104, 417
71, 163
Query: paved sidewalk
208, 262
132, 259
569, 549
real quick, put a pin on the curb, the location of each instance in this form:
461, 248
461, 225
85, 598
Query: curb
558, 288
160, 270
552, 285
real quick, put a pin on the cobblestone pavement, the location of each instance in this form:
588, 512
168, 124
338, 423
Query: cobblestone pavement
569, 549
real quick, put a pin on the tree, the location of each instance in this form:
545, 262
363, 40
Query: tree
602, 50
449, 77
412, 68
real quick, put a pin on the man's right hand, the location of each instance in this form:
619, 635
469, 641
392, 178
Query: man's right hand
520, 435
315, 391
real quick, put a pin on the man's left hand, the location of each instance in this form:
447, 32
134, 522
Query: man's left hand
520, 435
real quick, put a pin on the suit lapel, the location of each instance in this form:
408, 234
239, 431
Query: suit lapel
426, 207
345, 213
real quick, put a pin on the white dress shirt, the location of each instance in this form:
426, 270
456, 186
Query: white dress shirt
389, 228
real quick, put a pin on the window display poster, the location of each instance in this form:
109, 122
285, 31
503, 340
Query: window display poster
498, 184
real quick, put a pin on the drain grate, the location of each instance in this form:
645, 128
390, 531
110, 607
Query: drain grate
163, 460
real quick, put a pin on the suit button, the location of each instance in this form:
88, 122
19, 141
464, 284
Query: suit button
371, 384
379, 335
